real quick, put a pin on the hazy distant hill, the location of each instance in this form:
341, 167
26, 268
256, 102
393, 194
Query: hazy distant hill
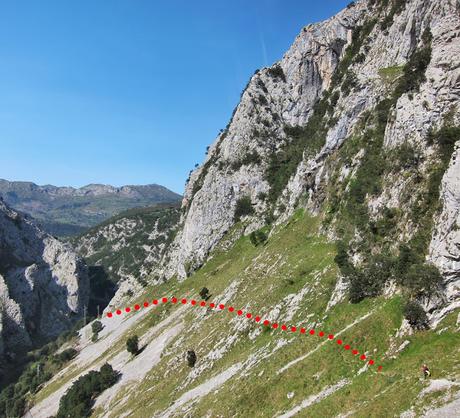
65, 211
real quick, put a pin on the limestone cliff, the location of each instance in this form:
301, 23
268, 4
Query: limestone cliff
43, 283
322, 94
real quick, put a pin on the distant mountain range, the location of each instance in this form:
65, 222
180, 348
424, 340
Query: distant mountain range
65, 211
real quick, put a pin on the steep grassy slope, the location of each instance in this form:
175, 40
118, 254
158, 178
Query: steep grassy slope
246, 369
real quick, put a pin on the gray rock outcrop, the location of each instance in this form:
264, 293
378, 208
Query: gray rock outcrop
43, 283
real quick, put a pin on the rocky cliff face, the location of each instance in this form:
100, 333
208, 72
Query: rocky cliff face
285, 145
130, 247
43, 283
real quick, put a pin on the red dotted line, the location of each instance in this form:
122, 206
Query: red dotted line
248, 315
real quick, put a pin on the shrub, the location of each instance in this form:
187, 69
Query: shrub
414, 71
191, 358
66, 355
97, 326
132, 345
79, 399
204, 293
415, 314
445, 138
252, 157
277, 72
258, 237
243, 208
370, 280
422, 279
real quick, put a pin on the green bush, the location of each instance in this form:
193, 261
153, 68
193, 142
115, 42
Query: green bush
79, 399
414, 71
43, 365
249, 158
97, 327
258, 237
421, 279
132, 345
370, 280
277, 72
204, 293
445, 139
415, 314
243, 208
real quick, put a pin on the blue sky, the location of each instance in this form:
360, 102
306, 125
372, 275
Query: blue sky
130, 91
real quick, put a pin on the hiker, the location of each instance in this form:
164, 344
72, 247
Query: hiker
191, 358
425, 371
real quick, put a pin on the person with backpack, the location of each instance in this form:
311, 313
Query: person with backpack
426, 371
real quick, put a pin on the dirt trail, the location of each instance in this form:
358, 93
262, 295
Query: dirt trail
297, 360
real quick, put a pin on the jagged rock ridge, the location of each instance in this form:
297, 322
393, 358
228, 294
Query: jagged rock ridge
67, 211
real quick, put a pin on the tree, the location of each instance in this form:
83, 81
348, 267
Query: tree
422, 279
243, 208
191, 358
204, 293
132, 344
97, 327
258, 237
415, 314
79, 399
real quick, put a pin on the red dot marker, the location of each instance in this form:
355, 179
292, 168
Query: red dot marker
240, 312
184, 301
203, 303
321, 334
128, 309
312, 332
302, 330
266, 322
118, 312
347, 347
221, 306
284, 327
164, 300
174, 300
371, 362
231, 309
339, 342
137, 307
155, 302
257, 318
355, 352
193, 302
363, 357
379, 368
249, 315
330, 336
293, 329
110, 315
212, 305
275, 325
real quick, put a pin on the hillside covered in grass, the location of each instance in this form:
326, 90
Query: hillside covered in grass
290, 279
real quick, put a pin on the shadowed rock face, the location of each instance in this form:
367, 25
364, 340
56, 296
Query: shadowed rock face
43, 283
